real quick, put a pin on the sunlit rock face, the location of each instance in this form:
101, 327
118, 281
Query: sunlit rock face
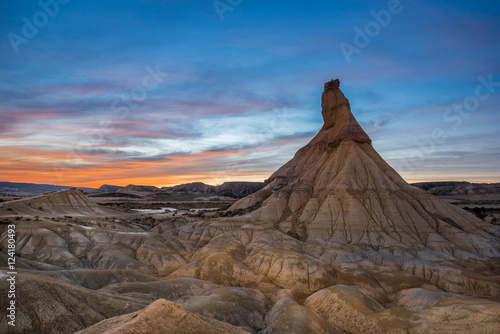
336, 242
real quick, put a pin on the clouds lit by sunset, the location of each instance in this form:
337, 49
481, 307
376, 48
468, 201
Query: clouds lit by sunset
163, 93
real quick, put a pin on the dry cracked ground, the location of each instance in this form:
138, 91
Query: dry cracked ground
336, 242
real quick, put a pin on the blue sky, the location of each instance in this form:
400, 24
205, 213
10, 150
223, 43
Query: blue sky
162, 93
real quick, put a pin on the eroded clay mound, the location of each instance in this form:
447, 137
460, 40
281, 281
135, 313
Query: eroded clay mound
66, 202
161, 317
47, 305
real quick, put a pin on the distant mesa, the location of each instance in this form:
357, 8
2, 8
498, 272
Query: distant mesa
238, 189
194, 187
133, 188
106, 188
459, 188
192, 190
114, 195
189, 191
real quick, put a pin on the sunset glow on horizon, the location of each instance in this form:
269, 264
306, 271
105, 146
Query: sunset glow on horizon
162, 94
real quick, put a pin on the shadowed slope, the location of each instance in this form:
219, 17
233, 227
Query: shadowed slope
47, 305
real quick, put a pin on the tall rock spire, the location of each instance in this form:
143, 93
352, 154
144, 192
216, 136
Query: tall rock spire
339, 189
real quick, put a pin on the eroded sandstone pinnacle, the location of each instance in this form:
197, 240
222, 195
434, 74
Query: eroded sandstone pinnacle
337, 117
338, 188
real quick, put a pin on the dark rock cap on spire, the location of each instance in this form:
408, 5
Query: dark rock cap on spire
332, 84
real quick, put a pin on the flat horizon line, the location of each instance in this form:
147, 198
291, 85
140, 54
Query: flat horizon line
218, 184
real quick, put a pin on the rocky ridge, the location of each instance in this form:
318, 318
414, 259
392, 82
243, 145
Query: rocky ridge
459, 188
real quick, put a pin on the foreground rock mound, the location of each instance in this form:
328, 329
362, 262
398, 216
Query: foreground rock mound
47, 305
161, 317
353, 311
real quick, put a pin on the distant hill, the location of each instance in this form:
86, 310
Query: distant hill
194, 187
132, 189
227, 189
33, 189
459, 188
106, 188
114, 195
230, 189
188, 191
238, 189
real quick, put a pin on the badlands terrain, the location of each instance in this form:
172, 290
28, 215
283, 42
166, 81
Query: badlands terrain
335, 241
